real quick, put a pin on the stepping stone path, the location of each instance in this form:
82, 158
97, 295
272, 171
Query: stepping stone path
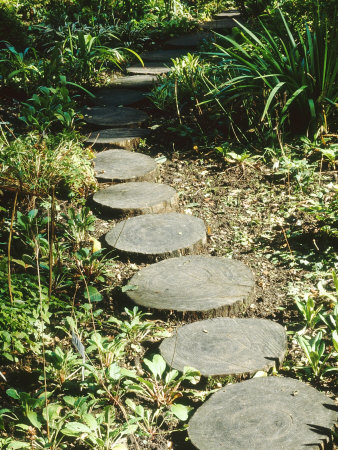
163, 55
113, 116
118, 137
136, 198
145, 82
156, 68
261, 413
122, 165
201, 284
189, 40
264, 414
117, 97
225, 346
158, 235
219, 24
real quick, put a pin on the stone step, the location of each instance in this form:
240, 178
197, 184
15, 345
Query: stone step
164, 55
224, 346
157, 236
136, 198
219, 24
202, 286
128, 138
193, 40
114, 117
117, 97
155, 68
264, 413
121, 165
144, 82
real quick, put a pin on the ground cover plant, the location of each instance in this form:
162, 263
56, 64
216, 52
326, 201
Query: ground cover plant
79, 365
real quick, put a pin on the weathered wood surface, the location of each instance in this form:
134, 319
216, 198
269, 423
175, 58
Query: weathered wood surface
164, 55
264, 414
219, 24
117, 96
128, 138
157, 235
143, 82
114, 117
228, 14
155, 68
224, 346
122, 165
214, 286
136, 198
193, 40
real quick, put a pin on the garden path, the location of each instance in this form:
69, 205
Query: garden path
265, 412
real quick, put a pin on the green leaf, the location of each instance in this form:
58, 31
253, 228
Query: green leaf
157, 366
33, 418
75, 429
17, 444
13, 393
180, 411
94, 294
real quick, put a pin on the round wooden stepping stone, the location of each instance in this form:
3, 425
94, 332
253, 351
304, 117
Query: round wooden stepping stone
224, 346
190, 40
200, 284
227, 14
111, 116
149, 69
122, 165
163, 55
136, 82
136, 198
118, 137
117, 96
158, 235
219, 24
264, 414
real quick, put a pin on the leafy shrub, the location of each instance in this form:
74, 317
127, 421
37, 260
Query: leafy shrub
289, 78
35, 164
11, 27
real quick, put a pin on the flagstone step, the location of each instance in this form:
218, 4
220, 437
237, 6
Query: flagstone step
193, 40
155, 68
205, 286
114, 117
144, 82
154, 236
122, 165
128, 138
117, 96
164, 55
264, 413
219, 24
224, 346
136, 198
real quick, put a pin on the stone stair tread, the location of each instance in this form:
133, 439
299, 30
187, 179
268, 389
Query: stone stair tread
153, 236
150, 68
128, 138
192, 40
108, 96
164, 55
224, 346
263, 413
136, 198
144, 82
219, 24
123, 165
114, 117
200, 284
